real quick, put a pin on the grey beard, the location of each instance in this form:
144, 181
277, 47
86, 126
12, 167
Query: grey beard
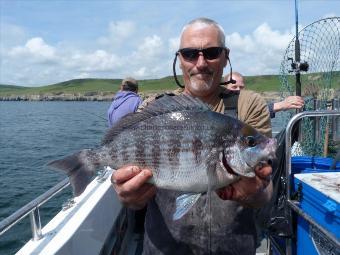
199, 85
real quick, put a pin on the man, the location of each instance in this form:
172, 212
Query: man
290, 102
125, 101
213, 225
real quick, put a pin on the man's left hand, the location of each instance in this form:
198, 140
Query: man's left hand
253, 192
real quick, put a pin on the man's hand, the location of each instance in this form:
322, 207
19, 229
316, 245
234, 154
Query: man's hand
131, 187
291, 102
253, 192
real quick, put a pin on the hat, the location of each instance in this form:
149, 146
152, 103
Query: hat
130, 83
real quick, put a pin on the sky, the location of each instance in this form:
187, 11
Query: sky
45, 42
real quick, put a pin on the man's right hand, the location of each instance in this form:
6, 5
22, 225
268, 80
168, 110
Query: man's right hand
290, 102
130, 184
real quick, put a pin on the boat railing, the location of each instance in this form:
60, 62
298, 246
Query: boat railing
32, 209
293, 205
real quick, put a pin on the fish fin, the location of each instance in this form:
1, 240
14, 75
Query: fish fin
182, 102
184, 203
78, 167
163, 105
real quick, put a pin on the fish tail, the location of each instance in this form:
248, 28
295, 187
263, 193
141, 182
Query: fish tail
80, 167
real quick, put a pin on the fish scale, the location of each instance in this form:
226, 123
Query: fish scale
170, 149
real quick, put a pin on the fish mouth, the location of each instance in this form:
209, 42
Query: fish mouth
225, 166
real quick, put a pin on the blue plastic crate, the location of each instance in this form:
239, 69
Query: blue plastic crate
311, 241
299, 163
320, 200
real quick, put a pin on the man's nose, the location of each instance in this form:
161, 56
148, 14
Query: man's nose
201, 62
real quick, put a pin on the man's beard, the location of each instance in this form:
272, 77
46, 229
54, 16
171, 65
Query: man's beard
200, 84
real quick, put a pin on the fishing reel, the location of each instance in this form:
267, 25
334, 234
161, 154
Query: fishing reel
298, 66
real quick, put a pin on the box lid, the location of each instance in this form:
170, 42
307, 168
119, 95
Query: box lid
326, 183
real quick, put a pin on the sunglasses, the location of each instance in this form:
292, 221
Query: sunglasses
191, 54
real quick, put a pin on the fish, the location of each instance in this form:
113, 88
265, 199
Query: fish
187, 146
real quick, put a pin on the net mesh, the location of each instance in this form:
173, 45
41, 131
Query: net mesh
320, 49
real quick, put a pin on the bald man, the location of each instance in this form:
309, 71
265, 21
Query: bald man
290, 102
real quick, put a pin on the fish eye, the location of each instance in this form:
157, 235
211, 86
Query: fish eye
250, 140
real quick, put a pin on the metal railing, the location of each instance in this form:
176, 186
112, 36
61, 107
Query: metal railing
32, 208
293, 204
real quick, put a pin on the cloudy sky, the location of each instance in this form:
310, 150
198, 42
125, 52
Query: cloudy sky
45, 42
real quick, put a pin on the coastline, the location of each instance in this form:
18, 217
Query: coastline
268, 96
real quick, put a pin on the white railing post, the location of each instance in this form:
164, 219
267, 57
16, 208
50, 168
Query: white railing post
35, 224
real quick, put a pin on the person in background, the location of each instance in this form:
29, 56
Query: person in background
229, 227
290, 102
125, 101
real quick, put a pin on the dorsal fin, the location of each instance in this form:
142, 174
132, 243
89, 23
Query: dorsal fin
163, 105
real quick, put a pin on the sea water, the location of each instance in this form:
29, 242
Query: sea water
31, 135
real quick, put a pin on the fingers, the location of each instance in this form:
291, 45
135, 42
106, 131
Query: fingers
226, 193
149, 192
294, 102
263, 174
263, 171
130, 184
134, 184
125, 173
139, 199
247, 188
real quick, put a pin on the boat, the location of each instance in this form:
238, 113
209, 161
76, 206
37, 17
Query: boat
93, 223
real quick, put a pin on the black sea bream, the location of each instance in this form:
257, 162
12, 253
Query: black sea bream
187, 146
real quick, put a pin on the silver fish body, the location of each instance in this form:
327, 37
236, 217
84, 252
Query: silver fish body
187, 146
182, 151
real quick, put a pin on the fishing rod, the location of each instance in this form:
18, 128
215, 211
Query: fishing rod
296, 64
297, 67
297, 53
91, 113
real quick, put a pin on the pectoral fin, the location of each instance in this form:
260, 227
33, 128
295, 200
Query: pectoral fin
184, 204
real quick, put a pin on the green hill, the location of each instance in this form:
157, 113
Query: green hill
109, 86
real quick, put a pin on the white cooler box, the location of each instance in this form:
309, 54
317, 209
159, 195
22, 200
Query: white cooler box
320, 200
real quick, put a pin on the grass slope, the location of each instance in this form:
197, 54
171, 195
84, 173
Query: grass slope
109, 86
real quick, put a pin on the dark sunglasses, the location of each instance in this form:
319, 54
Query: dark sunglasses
191, 54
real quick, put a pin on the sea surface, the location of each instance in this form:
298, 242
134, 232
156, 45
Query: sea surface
31, 135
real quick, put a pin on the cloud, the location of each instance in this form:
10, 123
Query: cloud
82, 76
151, 47
35, 49
149, 59
173, 44
260, 52
11, 34
147, 56
118, 33
140, 72
97, 61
